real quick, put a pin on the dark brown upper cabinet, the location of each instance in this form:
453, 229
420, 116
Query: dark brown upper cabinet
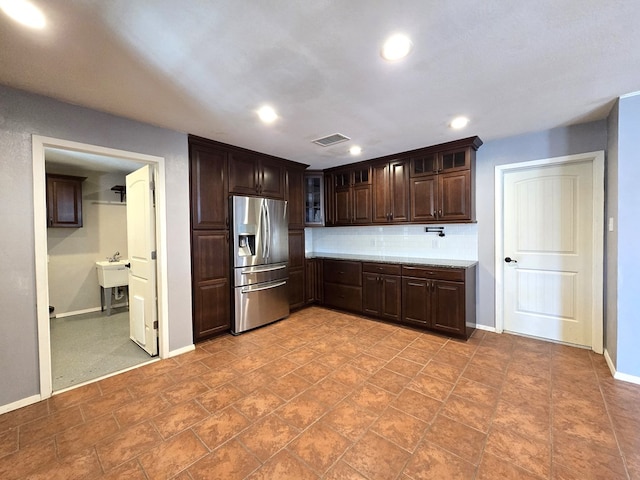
295, 197
352, 196
391, 192
208, 175
434, 184
442, 186
256, 175
64, 201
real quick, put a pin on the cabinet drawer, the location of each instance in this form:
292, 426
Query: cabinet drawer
344, 297
382, 268
342, 272
453, 274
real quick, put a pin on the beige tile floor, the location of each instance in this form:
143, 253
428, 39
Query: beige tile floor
328, 395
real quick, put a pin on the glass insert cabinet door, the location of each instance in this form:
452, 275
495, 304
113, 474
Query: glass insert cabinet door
314, 199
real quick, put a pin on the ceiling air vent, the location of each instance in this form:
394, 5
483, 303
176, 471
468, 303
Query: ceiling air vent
331, 140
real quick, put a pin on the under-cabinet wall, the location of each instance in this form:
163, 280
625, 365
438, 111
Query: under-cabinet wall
460, 241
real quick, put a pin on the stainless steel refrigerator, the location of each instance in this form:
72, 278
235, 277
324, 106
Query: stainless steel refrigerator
260, 253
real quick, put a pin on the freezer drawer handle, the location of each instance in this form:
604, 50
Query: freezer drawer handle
260, 270
250, 290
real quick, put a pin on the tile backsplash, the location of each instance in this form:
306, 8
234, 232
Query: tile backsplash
459, 243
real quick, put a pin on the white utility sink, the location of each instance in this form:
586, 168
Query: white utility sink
112, 274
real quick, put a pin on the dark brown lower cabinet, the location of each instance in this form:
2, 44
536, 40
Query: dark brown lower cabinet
211, 288
441, 299
342, 284
435, 298
297, 294
381, 291
312, 280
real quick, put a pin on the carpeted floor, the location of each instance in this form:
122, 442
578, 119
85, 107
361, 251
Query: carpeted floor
88, 346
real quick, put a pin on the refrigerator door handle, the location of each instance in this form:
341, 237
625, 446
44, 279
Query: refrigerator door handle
263, 228
266, 209
266, 287
260, 270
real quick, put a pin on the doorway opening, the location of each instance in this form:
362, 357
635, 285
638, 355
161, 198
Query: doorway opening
549, 249
66, 261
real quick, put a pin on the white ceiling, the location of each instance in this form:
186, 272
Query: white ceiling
204, 67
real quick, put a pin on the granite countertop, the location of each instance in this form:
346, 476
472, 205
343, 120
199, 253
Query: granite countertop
434, 262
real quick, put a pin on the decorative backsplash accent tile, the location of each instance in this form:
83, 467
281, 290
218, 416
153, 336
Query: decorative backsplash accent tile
459, 243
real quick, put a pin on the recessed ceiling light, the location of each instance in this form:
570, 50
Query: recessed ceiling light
24, 12
355, 150
459, 122
396, 47
267, 114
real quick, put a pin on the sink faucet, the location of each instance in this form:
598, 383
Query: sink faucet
115, 258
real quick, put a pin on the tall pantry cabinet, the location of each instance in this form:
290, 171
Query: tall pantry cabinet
210, 273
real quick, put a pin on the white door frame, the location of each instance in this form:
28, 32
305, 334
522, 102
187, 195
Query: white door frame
39, 144
597, 159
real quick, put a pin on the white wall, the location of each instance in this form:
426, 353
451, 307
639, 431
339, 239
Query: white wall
22, 115
459, 243
73, 280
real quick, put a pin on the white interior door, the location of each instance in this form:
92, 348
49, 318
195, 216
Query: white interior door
141, 243
548, 250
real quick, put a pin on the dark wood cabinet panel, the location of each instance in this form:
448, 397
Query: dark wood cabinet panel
296, 269
252, 174
455, 196
211, 288
312, 280
343, 297
416, 301
448, 305
208, 178
361, 204
295, 198
342, 284
343, 208
64, 201
211, 310
352, 196
296, 287
243, 174
345, 272
296, 249
424, 197
271, 179
210, 250
381, 296
391, 192
329, 200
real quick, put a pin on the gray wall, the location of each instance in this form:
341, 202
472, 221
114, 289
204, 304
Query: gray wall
611, 239
628, 275
586, 137
21, 115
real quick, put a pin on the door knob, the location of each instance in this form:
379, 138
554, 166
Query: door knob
127, 265
509, 260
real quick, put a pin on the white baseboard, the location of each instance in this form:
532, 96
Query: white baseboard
486, 328
625, 377
180, 351
87, 310
20, 403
